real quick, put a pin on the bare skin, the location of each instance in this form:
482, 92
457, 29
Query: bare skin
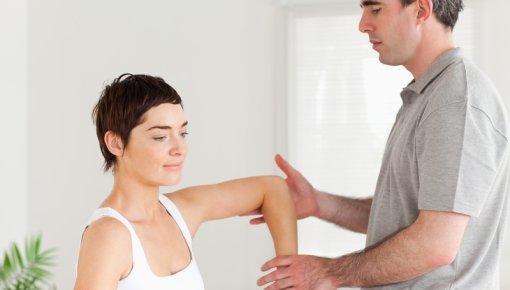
430, 242
343, 211
154, 157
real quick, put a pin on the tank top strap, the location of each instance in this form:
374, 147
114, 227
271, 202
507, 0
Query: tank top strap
176, 214
137, 249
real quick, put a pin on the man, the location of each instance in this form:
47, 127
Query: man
436, 219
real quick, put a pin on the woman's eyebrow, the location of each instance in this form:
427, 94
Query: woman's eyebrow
165, 127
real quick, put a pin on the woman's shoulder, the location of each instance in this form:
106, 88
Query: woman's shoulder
105, 251
107, 232
107, 241
108, 228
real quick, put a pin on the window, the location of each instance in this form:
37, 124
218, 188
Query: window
341, 105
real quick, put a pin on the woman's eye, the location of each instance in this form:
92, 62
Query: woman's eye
184, 134
160, 138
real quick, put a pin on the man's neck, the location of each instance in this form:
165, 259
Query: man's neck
433, 45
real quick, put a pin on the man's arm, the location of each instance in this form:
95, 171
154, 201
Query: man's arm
430, 242
345, 212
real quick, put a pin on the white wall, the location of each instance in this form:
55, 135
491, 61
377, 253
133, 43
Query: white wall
13, 123
225, 58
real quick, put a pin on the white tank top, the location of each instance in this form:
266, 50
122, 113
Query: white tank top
141, 275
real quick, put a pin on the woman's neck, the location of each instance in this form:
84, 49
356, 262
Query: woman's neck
133, 199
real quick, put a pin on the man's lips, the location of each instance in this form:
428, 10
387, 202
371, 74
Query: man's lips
375, 43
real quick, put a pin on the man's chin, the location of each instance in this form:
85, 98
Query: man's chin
388, 61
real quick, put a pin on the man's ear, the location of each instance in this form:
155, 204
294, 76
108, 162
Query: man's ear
425, 9
114, 143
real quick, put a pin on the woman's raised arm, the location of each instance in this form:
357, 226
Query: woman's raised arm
199, 204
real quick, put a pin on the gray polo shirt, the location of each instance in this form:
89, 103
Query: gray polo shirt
447, 151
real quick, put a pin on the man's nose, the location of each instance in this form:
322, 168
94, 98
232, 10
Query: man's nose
364, 26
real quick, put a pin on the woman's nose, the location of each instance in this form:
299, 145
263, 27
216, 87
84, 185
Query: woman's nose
178, 147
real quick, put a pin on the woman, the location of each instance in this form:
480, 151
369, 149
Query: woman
139, 238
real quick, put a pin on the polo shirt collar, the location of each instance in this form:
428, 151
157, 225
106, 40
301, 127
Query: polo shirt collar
437, 67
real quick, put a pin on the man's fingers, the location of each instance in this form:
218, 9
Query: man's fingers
283, 164
281, 261
257, 221
281, 284
273, 276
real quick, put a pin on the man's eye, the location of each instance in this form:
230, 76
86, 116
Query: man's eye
184, 134
375, 11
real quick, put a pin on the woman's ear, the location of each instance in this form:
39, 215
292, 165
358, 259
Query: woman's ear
425, 8
114, 143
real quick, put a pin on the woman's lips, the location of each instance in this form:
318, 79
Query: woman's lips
174, 166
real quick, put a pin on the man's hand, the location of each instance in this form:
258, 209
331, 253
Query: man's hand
299, 273
303, 193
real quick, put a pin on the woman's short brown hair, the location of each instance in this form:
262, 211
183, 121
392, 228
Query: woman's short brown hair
122, 105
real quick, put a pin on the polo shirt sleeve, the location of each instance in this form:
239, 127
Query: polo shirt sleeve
459, 153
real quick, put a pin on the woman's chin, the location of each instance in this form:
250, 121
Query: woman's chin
171, 181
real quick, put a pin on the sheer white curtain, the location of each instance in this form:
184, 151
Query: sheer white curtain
341, 105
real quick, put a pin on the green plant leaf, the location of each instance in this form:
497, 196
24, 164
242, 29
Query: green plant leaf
18, 255
28, 270
7, 263
37, 244
28, 252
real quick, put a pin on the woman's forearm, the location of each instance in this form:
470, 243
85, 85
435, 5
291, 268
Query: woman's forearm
280, 215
